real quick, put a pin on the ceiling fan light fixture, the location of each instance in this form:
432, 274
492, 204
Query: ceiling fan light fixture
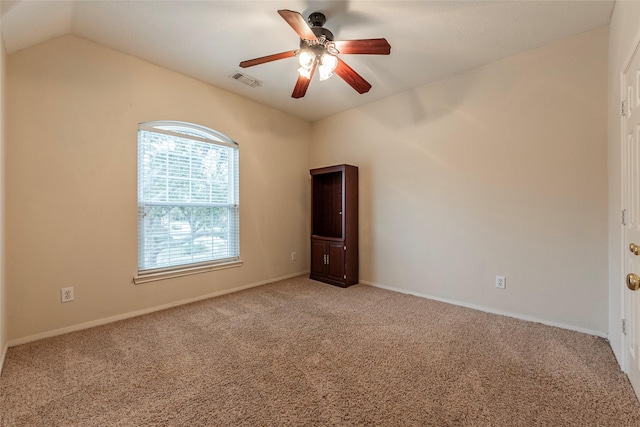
305, 72
328, 64
306, 58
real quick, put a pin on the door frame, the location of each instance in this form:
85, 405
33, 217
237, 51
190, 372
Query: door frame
621, 230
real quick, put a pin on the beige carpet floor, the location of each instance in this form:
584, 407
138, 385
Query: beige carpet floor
303, 353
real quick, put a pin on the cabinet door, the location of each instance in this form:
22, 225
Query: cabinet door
336, 261
318, 266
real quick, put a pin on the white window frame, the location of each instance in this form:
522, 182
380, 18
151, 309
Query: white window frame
197, 134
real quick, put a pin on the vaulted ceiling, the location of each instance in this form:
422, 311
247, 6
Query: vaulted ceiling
207, 40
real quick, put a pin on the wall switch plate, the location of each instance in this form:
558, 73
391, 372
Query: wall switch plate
501, 282
66, 294
294, 256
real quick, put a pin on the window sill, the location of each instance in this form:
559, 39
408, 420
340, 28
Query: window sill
154, 277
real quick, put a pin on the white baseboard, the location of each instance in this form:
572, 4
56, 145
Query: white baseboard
488, 310
3, 355
137, 313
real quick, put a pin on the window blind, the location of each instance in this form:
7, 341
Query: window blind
188, 197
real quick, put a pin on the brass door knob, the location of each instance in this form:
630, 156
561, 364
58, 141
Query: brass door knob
633, 281
635, 249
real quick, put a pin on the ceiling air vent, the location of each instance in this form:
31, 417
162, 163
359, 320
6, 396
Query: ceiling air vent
248, 80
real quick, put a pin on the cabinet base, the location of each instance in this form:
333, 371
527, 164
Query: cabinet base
340, 283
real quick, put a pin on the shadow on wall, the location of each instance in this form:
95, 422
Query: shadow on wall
423, 105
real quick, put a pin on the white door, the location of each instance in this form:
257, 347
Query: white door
631, 212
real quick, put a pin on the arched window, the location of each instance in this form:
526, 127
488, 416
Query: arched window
187, 197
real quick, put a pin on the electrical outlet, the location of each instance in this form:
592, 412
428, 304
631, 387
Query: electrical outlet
501, 282
294, 256
66, 294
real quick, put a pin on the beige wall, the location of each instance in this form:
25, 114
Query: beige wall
623, 38
71, 183
498, 171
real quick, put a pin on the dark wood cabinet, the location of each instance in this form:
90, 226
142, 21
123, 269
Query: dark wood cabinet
334, 225
328, 260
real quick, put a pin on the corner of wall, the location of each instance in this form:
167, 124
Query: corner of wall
3, 303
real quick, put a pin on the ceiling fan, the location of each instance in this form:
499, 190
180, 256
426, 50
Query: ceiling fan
318, 50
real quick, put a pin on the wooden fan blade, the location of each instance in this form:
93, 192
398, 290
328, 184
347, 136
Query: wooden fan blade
298, 24
364, 46
302, 84
354, 79
268, 58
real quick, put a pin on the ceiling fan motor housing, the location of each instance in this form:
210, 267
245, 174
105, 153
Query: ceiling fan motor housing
319, 31
317, 20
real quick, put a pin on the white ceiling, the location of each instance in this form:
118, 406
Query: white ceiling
429, 40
